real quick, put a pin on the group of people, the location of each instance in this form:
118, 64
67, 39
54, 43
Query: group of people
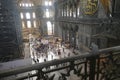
42, 50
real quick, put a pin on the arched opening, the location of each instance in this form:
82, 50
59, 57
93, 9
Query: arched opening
21, 15
50, 28
28, 15
47, 13
28, 24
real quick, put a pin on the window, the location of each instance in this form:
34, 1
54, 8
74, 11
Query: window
34, 15
53, 29
62, 13
23, 24
34, 24
70, 13
21, 15
67, 11
47, 13
49, 28
27, 15
26, 5
28, 24
23, 4
30, 5
46, 3
50, 3
20, 4
74, 14
78, 12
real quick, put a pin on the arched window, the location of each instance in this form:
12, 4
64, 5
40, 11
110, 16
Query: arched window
62, 13
49, 28
20, 4
67, 11
23, 24
34, 16
34, 24
23, 4
46, 3
78, 11
74, 14
21, 15
26, 5
28, 24
53, 27
70, 13
50, 3
47, 13
27, 15
30, 4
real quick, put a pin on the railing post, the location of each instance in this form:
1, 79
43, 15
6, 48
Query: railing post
71, 67
92, 60
40, 75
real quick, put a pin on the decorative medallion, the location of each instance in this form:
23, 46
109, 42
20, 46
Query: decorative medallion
90, 7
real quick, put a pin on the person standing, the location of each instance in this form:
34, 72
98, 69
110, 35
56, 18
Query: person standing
63, 49
59, 53
69, 54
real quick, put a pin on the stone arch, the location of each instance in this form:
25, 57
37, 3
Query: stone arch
62, 25
76, 27
72, 28
69, 26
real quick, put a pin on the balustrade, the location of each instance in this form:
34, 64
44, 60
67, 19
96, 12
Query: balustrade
100, 64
